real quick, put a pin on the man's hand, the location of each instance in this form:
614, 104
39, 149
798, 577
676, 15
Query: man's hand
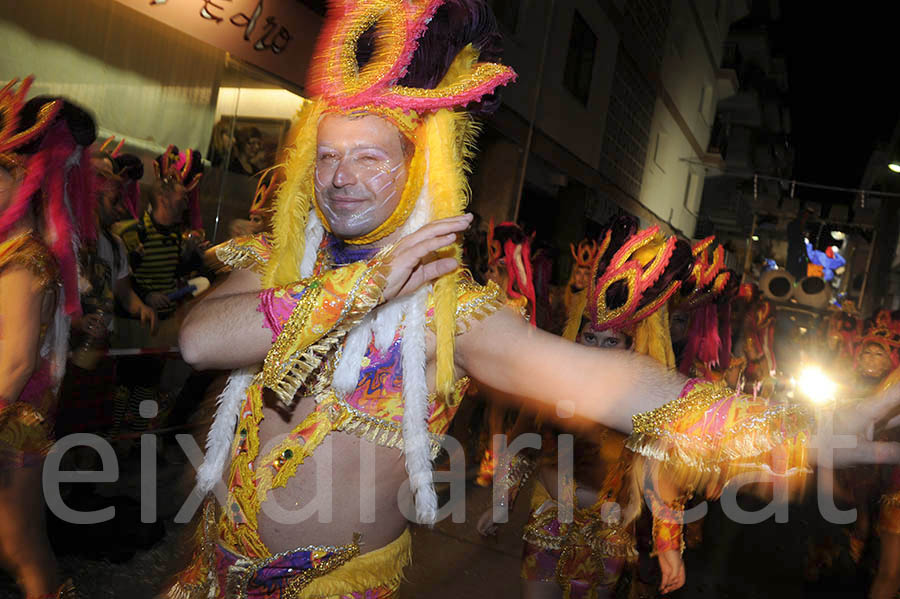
157, 300
148, 317
408, 261
672, 567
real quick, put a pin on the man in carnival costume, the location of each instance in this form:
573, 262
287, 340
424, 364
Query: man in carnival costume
586, 557
706, 298
46, 210
353, 341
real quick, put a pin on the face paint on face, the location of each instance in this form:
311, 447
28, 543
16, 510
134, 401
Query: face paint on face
608, 339
360, 173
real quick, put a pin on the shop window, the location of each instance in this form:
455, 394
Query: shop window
153, 86
580, 59
252, 118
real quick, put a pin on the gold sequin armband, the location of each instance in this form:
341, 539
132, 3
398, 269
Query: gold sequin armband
240, 253
668, 522
329, 306
518, 470
710, 433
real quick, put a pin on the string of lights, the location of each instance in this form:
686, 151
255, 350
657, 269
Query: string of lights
793, 182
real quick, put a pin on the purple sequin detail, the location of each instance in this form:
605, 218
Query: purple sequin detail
344, 253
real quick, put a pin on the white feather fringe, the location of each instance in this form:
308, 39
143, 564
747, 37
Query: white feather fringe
313, 234
346, 373
387, 321
221, 433
416, 443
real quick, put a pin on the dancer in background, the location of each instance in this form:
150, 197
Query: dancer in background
587, 557
510, 268
45, 209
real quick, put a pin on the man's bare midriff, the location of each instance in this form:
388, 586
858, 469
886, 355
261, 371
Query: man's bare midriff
364, 478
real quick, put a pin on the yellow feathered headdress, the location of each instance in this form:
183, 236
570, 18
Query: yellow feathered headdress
442, 136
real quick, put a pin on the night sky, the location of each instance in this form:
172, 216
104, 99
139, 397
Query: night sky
843, 74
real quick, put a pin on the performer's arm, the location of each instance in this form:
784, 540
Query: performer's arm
545, 371
224, 329
235, 325
504, 352
253, 320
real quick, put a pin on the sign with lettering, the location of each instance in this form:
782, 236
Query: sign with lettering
275, 35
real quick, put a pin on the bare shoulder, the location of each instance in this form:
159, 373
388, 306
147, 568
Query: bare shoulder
494, 331
239, 280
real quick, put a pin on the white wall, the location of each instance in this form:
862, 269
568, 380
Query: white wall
140, 78
258, 103
672, 186
560, 115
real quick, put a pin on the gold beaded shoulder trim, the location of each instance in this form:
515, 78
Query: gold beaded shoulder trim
26, 251
474, 302
251, 252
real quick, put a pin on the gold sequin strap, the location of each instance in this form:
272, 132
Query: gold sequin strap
518, 471
331, 305
710, 433
474, 302
251, 252
27, 252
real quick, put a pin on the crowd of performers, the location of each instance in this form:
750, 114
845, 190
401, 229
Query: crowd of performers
694, 316
349, 327
89, 267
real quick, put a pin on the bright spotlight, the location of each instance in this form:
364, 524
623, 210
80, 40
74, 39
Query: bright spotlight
894, 166
815, 384
755, 238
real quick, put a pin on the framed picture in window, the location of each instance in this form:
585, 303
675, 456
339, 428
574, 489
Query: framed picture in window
247, 145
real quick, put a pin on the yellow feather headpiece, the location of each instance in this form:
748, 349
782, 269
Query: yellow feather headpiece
443, 137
